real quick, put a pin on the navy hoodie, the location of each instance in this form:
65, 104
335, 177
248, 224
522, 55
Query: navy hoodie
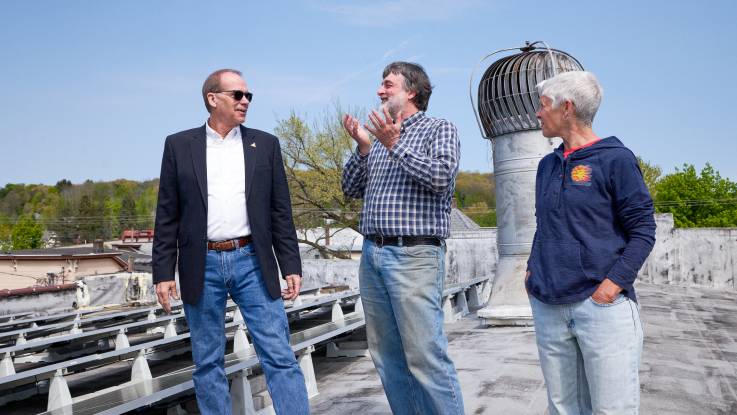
594, 221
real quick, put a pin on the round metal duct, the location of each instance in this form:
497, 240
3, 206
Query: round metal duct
507, 97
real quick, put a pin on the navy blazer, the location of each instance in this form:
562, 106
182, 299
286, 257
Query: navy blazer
180, 236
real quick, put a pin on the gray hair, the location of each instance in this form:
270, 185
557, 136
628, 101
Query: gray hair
580, 87
415, 80
212, 84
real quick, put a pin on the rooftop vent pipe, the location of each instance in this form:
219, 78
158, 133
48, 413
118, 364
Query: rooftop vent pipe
507, 100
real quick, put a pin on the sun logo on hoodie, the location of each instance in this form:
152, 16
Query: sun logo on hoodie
581, 175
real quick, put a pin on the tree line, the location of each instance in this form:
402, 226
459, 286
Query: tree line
314, 154
697, 199
73, 213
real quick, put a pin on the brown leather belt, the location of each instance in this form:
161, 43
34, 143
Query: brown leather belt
230, 244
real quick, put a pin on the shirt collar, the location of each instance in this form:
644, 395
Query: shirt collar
570, 151
213, 136
413, 119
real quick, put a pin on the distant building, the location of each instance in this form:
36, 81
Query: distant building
39, 267
349, 241
346, 241
137, 235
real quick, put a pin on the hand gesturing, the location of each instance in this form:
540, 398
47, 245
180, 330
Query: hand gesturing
385, 130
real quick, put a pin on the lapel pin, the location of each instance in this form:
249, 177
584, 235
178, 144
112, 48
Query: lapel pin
253, 145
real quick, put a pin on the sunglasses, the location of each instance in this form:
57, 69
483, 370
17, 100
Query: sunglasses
238, 95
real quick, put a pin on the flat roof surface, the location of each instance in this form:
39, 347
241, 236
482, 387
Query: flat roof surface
689, 362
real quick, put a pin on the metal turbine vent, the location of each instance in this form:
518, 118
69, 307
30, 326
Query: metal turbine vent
507, 97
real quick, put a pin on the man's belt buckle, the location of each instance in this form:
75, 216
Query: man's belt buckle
229, 244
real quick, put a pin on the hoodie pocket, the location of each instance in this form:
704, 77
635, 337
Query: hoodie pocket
558, 267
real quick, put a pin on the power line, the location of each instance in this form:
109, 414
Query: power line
696, 202
24, 276
72, 220
145, 219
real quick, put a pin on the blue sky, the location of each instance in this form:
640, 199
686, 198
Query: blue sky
90, 89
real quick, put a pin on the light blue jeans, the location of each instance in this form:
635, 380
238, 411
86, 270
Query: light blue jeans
590, 356
238, 272
401, 290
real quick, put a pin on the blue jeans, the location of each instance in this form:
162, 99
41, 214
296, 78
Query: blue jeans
401, 290
238, 272
590, 355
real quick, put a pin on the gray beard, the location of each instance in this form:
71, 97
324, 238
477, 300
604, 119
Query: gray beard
392, 108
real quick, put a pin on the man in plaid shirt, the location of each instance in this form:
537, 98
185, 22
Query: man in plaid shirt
406, 179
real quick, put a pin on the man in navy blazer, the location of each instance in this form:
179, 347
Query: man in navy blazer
224, 219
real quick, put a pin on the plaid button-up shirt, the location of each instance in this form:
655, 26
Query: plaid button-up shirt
407, 191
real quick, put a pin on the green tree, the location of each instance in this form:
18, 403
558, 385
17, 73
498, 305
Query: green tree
314, 157
65, 223
64, 211
14, 199
127, 215
27, 233
698, 200
87, 219
63, 184
473, 188
6, 234
475, 194
147, 194
48, 206
482, 214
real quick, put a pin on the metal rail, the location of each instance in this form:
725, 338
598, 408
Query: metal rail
47, 371
42, 331
167, 388
149, 392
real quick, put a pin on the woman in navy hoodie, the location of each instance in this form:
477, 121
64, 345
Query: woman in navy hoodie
595, 228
